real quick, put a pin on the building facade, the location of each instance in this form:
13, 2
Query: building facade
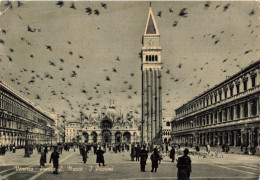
226, 114
151, 81
72, 131
166, 128
109, 127
20, 119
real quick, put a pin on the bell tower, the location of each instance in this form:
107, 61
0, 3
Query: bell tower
151, 81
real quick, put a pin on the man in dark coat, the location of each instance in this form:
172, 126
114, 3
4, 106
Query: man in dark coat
95, 148
133, 153
144, 156
55, 159
85, 154
137, 152
184, 166
155, 158
100, 157
172, 154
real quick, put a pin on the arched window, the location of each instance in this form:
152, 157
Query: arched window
156, 58
152, 57
168, 123
146, 58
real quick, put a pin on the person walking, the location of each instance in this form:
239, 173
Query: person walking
172, 154
85, 154
143, 156
155, 158
184, 166
137, 152
100, 157
43, 158
14, 149
55, 159
208, 149
133, 152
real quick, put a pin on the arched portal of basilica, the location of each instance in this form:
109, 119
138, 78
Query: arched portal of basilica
110, 127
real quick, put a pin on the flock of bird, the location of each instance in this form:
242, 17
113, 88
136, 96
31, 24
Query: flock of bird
93, 96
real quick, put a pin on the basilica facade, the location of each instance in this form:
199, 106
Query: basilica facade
109, 127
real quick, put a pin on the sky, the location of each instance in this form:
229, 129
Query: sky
67, 60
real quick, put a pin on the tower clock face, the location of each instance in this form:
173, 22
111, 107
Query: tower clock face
151, 42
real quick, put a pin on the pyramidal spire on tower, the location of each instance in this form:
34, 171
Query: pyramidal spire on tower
151, 27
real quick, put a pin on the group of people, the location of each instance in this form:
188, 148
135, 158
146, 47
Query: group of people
3, 149
183, 162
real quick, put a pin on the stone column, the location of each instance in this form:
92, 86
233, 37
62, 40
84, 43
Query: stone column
250, 137
210, 135
235, 112
249, 108
219, 136
235, 138
223, 137
242, 110
228, 114
229, 138
214, 138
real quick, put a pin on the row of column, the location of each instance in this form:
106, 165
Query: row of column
248, 137
11, 139
133, 138
151, 104
242, 110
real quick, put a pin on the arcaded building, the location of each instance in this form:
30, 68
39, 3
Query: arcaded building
225, 114
20, 119
109, 126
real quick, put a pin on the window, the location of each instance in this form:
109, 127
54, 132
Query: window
245, 85
156, 58
231, 91
146, 58
237, 88
238, 111
231, 113
220, 96
220, 116
253, 107
225, 93
245, 110
253, 81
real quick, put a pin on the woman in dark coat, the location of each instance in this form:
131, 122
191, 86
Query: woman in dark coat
43, 158
155, 158
172, 154
100, 157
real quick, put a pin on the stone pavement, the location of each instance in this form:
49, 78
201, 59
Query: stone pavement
119, 166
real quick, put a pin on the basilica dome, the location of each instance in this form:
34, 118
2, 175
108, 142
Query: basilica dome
111, 111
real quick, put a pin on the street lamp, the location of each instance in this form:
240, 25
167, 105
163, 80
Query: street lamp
26, 144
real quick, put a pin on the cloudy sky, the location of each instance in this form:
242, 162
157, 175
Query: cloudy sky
66, 59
